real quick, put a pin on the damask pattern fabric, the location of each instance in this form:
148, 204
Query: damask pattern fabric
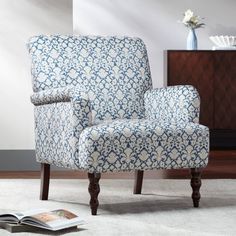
173, 104
56, 136
95, 111
64, 94
113, 71
48, 96
57, 130
143, 145
116, 145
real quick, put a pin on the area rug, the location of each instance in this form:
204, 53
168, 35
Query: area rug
163, 208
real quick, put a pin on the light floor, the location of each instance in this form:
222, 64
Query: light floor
164, 208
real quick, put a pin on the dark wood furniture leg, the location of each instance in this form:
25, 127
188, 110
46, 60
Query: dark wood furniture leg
196, 184
138, 181
45, 177
94, 190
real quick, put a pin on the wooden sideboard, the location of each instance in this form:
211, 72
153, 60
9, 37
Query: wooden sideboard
213, 73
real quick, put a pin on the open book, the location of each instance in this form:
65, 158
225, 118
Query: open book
41, 218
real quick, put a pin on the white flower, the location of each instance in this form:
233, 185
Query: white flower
187, 16
194, 19
191, 21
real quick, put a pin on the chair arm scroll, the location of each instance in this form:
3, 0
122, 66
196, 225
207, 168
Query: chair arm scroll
78, 102
173, 104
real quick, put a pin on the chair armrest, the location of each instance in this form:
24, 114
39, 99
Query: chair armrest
173, 104
64, 94
79, 104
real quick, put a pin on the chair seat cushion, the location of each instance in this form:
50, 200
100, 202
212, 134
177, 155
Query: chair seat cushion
142, 145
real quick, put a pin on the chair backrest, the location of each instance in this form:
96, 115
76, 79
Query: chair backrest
113, 71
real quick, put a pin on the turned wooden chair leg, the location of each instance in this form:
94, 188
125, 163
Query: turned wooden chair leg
196, 184
45, 177
138, 181
94, 190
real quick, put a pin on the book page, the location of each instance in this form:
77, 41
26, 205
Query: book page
32, 212
16, 217
10, 218
54, 220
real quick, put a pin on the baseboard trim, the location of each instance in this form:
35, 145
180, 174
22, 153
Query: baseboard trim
67, 174
160, 174
222, 165
208, 173
19, 160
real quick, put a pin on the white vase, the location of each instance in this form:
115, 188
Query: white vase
192, 40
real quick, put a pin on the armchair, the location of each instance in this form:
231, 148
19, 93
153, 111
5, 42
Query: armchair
95, 110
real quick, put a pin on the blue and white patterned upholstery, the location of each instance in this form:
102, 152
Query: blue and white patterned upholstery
142, 144
95, 109
113, 71
173, 104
